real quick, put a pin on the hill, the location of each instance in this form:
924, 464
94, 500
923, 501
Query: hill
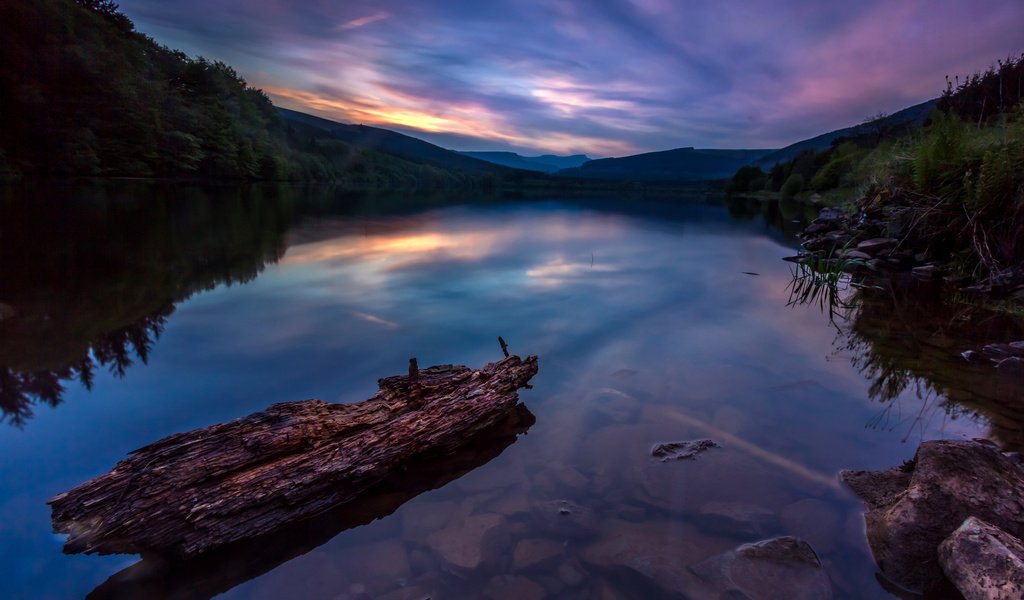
546, 163
681, 164
392, 142
912, 115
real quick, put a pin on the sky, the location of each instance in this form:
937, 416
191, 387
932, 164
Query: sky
602, 77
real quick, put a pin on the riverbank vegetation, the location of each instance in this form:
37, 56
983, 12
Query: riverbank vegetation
950, 191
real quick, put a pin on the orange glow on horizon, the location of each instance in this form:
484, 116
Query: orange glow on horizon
466, 119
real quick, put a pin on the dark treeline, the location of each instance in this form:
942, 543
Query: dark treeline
987, 95
84, 94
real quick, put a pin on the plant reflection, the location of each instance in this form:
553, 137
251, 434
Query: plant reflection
903, 340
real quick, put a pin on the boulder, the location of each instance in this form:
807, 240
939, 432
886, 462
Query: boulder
784, 567
916, 506
983, 562
830, 215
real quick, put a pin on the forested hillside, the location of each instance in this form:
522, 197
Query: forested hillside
84, 94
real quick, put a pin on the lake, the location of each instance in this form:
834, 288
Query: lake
134, 311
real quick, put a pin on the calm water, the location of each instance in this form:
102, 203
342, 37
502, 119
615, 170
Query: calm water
133, 313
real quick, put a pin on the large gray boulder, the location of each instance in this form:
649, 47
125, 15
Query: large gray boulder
984, 562
915, 506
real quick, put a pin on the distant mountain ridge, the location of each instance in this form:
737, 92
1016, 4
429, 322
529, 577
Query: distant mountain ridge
546, 163
392, 142
680, 164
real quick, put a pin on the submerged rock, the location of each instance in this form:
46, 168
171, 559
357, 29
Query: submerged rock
510, 587
677, 450
737, 519
565, 519
536, 554
984, 562
784, 567
917, 506
465, 546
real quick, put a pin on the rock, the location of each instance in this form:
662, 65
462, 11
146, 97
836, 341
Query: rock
983, 562
677, 450
536, 554
926, 272
1000, 351
1013, 363
876, 246
385, 562
513, 502
830, 215
422, 518
571, 575
879, 266
6, 311
657, 552
916, 506
784, 567
814, 521
406, 593
970, 355
489, 479
737, 519
609, 405
510, 587
857, 255
815, 228
565, 519
465, 546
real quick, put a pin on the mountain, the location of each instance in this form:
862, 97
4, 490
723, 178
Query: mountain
547, 163
392, 142
681, 164
912, 115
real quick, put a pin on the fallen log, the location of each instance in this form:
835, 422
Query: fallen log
225, 567
196, 491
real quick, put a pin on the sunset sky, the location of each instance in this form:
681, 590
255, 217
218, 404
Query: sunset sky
604, 77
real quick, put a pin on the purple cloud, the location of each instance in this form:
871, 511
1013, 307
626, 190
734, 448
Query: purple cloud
606, 77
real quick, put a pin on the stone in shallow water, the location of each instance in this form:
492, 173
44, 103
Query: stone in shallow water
814, 521
784, 567
678, 450
737, 519
565, 519
984, 562
536, 553
465, 546
657, 552
510, 587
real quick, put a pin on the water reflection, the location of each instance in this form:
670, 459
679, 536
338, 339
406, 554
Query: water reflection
91, 274
648, 316
903, 339
225, 568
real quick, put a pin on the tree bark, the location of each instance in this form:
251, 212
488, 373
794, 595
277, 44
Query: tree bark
195, 491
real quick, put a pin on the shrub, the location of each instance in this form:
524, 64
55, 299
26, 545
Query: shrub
793, 186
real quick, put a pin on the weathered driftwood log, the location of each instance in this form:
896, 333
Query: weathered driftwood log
192, 492
223, 568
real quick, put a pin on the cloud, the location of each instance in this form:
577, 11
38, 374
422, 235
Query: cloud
362, 21
605, 77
